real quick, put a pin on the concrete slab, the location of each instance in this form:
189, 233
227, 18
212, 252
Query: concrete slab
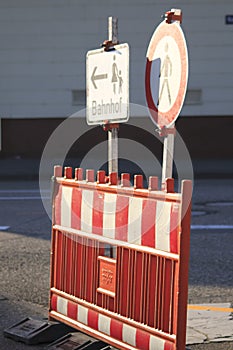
210, 323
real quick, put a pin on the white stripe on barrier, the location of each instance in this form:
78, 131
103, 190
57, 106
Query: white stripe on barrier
129, 334
135, 220
156, 343
87, 210
109, 215
104, 323
65, 206
163, 217
62, 305
82, 314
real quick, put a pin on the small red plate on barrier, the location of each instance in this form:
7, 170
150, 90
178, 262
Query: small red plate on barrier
107, 276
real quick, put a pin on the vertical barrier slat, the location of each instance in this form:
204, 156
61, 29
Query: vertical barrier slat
167, 295
137, 290
175, 298
85, 268
53, 257
69, 264
158, 293
78, 291
152, 291
94, 271
162, 293
58, 259
118, 279
74, 263
89, 277
145, 289
124, 283
172, 297
64, 257
130, 266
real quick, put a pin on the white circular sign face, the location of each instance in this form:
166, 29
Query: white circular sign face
166, 73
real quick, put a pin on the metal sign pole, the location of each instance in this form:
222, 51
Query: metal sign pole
113, 132
168, 151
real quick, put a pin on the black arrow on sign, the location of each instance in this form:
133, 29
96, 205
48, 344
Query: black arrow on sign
97, 77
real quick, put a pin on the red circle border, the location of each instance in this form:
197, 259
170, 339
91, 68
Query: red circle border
174, 30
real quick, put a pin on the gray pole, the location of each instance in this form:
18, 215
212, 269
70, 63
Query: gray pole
113, 132
168, 152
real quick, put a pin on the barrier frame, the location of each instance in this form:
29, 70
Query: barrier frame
112, 327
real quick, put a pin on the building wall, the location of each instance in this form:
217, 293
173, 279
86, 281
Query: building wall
44, 43
42, 63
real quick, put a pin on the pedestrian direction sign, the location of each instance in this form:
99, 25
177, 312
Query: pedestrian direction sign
166, 73
107, 81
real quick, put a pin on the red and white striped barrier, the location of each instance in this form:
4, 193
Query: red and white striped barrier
137, 297
108, 326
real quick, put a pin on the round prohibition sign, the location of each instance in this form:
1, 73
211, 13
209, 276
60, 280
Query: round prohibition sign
166, 73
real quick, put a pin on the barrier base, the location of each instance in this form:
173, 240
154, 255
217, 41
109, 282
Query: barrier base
78, 340
33, 332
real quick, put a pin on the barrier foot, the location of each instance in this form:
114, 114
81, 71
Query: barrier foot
78, 340
34, 332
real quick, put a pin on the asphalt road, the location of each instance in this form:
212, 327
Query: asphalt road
25, 252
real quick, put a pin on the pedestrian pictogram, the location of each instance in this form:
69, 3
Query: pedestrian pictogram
108, 85
166, 72
117, 79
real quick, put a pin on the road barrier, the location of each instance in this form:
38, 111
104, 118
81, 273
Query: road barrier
119, 258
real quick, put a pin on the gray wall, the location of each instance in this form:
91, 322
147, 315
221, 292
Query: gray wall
44, 43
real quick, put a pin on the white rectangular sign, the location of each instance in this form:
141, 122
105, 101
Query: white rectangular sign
107, 80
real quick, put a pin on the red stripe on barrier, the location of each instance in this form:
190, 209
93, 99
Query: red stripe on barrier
97, 213
174, 228
142, 340
148, 223
92, 319
122, 208
72, 310
116, 329
76, 208
57, 206
54, 302
169, 346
